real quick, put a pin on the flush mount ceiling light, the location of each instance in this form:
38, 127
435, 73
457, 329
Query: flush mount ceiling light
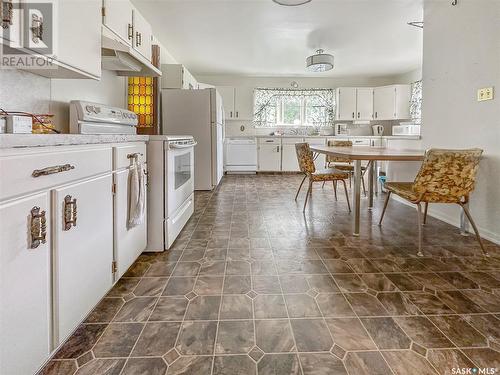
321, 62
291, 3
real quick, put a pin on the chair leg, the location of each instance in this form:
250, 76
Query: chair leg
334, 188
347, 195
322, 186
363, 183
385, 207
425, 213
307, 195
419, 223
469, 216
300, 187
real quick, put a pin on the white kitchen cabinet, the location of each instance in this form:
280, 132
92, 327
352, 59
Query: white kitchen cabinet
143, 34
321, 159
227, 94
364, 104
82, 249
392, 102
346, 104
269, 154
176, 76
25, 293
289, 162
118, 17
129, 243
77, 44
238, 102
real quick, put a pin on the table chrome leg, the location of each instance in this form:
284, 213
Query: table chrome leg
357, 196
375, 176
464, 223
370, 184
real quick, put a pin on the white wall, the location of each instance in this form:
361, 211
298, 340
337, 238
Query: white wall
462, 54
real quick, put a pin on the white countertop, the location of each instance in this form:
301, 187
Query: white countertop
41, 140
408, 137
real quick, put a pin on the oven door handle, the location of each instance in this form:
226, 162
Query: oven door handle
183, 146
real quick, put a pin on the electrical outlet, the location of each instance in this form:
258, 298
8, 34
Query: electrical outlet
486, 93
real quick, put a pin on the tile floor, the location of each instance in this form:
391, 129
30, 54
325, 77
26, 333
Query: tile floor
254, 286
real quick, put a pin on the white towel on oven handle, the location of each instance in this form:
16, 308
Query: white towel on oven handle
137, 194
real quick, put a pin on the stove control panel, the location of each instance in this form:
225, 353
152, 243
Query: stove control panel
93, 112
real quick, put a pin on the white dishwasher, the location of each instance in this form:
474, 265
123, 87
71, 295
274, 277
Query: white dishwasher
241, 155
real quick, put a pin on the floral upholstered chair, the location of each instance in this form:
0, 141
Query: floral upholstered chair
446, 176
306, 165
345, 163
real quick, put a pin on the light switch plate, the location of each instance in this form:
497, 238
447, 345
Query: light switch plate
485, 93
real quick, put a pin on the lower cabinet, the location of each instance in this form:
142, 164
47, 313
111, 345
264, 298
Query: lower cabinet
289, 162
25, 298
83, 243
270, 157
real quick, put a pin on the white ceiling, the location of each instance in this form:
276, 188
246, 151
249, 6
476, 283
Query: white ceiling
261, 38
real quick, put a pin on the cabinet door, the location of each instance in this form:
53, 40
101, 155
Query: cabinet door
269, 158
83, 251
142, 35
403, 94
129, 242
79, 25
384, 103
118, 18
243, 103
25, 342
346, 103
364, 104
289, 161
12, 34
227, 94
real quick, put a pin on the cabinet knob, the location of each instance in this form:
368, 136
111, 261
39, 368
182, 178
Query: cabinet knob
70, 211
353, 115
359, 114
38, 227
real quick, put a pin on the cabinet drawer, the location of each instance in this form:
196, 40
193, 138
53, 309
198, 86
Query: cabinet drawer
51, 166
269, 141
121, 154
361, 142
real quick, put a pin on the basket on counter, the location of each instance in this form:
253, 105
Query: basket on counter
43, 124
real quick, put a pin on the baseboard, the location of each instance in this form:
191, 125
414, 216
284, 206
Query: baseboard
452, 220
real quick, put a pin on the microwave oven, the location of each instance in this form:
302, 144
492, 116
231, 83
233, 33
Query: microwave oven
406, 130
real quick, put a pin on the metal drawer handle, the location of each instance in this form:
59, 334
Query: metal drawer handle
38, 227
7, 14
130, 31
135, 155
70, 211
52, 170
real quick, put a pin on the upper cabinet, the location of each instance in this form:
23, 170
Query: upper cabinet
118, 17
392, 102
176, 76
238, 102
65, 34
143, 35
379, 103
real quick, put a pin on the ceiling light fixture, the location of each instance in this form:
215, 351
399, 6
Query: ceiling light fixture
320, 62
291, 3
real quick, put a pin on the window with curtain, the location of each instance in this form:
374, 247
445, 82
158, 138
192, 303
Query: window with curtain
291, 107
416, 102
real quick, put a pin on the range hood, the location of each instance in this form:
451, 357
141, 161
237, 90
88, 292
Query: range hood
123, 59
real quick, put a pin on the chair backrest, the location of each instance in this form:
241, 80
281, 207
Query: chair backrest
338, 159
447, 176
305, 158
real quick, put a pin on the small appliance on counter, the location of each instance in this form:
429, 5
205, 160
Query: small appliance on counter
327, 130
378, 129
19, 124
406, 128
341, 129
94, 118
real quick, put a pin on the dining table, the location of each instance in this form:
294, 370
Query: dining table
357, 154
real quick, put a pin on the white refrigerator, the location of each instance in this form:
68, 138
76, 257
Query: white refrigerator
199, 113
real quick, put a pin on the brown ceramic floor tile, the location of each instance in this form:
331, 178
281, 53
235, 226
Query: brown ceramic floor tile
279, 364
488, 325
428, 303
191, 365
274, 336
447, 359
82, 340
407, 362
118, 340
179, 286
459, 302
266, 284
423, 332
136, 310
151, 366
334, 305
161, 269
378, 282
186, 269
404, 282
301, 306
321, 364
366, 305
208, 285
350, 334
459, 280
102, 367
105, 310
486, 300
150, 286
362, 265
397, 304
169, 309
236, 307
269, 306
123, 287
196, 338
203, 308
237, 284
156, 339
459, 331
311, 335
484, 358
350, 283
386, 333
294, 283
234, 365
67, 367
366, 363
234, 337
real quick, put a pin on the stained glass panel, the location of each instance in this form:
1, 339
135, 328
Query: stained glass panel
141, 100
